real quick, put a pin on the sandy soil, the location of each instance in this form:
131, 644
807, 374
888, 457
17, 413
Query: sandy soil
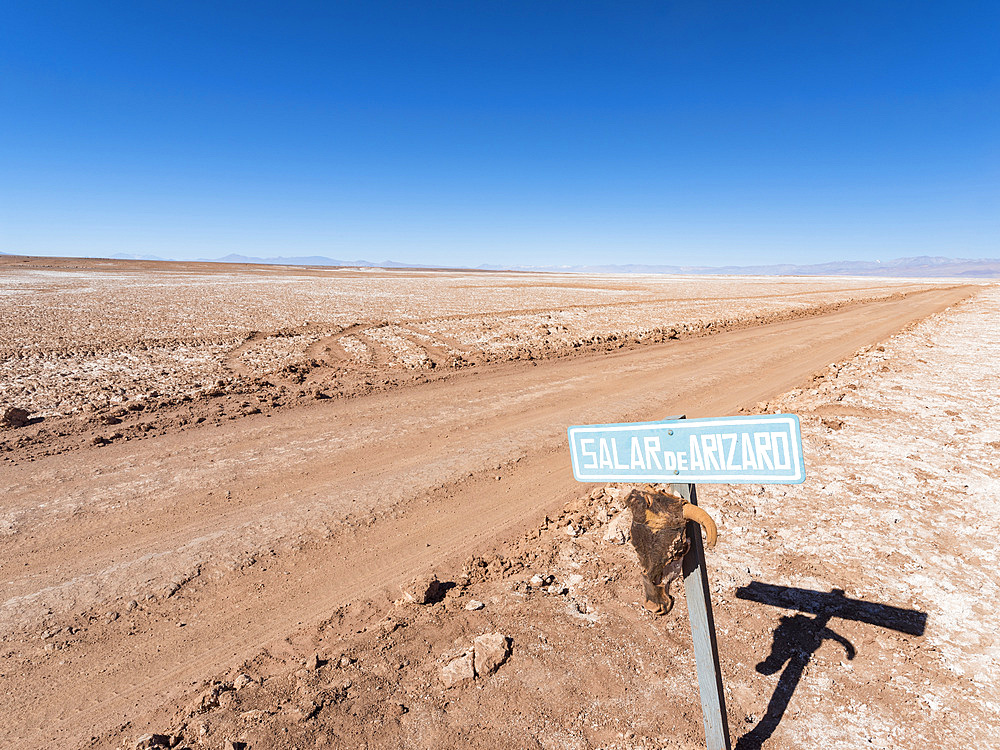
142, 578
87, 343
895, 518
855, 610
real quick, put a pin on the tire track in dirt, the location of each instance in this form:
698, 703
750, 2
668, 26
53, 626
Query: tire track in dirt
438, 353
329, 349
234, 359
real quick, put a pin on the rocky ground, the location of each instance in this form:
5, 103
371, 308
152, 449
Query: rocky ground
858, 609
143, 348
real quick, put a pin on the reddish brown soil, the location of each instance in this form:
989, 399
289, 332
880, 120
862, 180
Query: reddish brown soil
110, 351
133, 572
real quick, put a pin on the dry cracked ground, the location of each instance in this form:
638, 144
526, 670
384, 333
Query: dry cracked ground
858, 609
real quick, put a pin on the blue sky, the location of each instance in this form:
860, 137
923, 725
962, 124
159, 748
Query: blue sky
501, 132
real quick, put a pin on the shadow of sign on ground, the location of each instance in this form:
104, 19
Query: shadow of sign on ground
800, 635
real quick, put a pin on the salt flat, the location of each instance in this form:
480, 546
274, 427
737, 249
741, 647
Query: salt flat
870, 590
153, 543
85, 336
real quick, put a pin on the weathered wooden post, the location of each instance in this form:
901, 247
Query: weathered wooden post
765, 449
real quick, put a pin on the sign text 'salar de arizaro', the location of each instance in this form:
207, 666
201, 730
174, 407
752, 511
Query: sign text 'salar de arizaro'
765, 449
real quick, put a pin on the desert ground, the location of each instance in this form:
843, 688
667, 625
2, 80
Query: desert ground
225, 480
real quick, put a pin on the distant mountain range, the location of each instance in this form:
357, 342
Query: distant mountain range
916, 267
923, 266
920, 266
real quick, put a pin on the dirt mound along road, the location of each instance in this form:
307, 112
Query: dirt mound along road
155, 564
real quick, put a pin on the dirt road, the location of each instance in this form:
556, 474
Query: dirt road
160, 561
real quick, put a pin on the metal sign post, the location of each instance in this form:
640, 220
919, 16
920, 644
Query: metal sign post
765, 449
706, 651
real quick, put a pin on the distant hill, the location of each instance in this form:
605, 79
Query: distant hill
923, 266
907, 267
915, 267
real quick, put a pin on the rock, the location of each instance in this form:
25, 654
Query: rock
424, 589
458, 671
490, 651
314, 662
204, 702
540, 579
241, 681
346, 661
572, 530
616, 493
14, 417
234, 745
148, 741
339, 687
474, 604
619, 530
303, 709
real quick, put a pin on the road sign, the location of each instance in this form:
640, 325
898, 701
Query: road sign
764, 449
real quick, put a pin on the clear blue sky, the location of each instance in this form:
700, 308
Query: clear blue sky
488, 132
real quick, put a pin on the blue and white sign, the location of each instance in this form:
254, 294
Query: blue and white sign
765, 449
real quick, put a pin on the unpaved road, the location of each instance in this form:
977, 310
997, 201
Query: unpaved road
248, 518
